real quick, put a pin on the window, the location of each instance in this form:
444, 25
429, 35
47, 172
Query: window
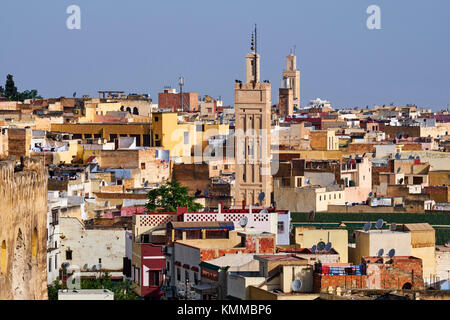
168, 266
50, 264
138, 276
178, 274
339, 195
186, 275
186, 137
280, 226
143, 165
335, 196
195, 278
68, 254
99, 260
156, 136
320, 198
119, 182
56, 262
156, 119
154, 278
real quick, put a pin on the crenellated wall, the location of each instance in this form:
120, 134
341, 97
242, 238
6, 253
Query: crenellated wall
23, 232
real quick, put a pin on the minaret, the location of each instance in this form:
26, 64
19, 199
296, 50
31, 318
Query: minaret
293, 75
252, 128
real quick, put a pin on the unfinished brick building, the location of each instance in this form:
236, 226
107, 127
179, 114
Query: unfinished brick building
23, 232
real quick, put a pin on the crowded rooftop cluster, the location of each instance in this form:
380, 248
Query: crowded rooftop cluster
172, 198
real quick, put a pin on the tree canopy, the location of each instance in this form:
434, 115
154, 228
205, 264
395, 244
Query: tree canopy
12, 94
167, 197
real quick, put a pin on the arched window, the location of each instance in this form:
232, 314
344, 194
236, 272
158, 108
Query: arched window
135, 111
128, 109
3, 257
34, 244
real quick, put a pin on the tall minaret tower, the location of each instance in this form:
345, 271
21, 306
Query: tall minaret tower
293, 75
252, 127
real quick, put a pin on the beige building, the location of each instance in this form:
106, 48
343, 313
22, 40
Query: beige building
369, 244
324, 140
423, 246
308, 237
253, 109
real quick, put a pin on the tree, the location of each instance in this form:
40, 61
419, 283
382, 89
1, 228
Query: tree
2, 91
10, 88
167, 197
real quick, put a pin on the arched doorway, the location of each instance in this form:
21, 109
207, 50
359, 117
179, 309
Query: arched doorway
21, 270
407, 286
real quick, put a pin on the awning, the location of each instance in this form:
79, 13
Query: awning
204, 288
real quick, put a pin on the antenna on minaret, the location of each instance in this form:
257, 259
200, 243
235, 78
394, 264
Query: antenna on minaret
294, 49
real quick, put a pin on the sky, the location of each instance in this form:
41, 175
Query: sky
141, 46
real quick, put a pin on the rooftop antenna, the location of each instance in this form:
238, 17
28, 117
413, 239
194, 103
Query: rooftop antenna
254, 48
294, 49
296, 285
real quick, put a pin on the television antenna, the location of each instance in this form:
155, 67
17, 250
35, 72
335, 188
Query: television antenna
367, 226
296, 285
243, 222
391, 253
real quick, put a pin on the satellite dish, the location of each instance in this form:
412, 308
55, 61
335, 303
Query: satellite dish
397, 156
85, 267
311, 215
264, 211
261, 196
393, 226
321, 246
99, 266
370, 194
328, 246
391, 253
380, 252
94, 267
243, 222
296, 285
367, 226
106, 203
313, 249
146, 184
379, 223
398, 170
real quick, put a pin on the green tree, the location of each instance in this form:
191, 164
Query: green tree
10, 88
167, 197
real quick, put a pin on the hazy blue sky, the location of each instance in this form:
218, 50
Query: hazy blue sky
141, 46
